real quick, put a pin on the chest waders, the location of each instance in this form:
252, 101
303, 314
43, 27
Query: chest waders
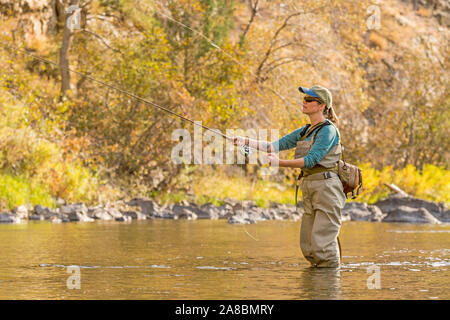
320, 195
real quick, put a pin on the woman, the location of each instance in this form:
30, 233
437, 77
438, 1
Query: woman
317, 153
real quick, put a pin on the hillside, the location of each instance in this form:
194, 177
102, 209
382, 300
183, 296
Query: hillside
230, 64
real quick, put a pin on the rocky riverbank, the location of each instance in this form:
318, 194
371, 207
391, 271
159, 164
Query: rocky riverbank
396, 208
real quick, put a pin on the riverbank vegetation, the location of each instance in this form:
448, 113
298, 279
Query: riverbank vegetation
229, 64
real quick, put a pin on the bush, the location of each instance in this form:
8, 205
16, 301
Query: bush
18, 190
32, 167
430, 183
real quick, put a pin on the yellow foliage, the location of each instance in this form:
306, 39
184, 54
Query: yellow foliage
423, 12
432, 183
376, 56
377, 40
18, 190
71, 182
33, 168
221, 186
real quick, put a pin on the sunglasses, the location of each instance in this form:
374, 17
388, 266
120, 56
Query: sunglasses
310, 99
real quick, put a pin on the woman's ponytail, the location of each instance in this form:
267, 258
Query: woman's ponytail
330, 114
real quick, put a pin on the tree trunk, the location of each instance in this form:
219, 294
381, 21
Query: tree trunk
65, 47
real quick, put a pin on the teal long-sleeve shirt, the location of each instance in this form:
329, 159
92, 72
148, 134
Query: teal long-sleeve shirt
325, 140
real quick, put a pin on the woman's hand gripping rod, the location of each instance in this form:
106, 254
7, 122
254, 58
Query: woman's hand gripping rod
247, 146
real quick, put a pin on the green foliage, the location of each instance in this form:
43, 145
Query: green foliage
18, 190
218, 186
33, 168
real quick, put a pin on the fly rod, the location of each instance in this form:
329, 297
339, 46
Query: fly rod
245, 150
114, 88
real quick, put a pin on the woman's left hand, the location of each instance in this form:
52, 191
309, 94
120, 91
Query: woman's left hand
273, 159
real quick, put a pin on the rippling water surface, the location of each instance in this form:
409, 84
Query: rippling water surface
166, 259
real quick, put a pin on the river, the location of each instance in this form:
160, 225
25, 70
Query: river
204, 259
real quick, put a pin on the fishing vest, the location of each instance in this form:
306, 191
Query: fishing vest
329, 162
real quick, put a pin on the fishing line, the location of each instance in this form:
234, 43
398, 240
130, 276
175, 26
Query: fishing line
245, 229
221, 50
244, 149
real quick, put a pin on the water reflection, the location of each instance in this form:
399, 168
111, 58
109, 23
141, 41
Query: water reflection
320, 283
155, 259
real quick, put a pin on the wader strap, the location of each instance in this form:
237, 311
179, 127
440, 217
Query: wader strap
321, 176
300, 176
310, 129
319, 169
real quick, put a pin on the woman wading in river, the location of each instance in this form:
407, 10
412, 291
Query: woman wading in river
318, 151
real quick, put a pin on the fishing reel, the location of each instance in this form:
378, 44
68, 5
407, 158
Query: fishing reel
245, 150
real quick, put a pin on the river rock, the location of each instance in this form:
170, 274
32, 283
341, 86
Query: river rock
109, 213
99, 213
282, 211
225, 211
114, 213
411, 215
75, 207
6, 217
261, 214
300, 208
135, 215
356, 211
148, 206
76, 212
123, 218
377, 214
277, 216
438, 210
209, 211
42, 213
185, 214
361, 211
240, 220
241, 217
163, 214
268, 214
284, 215
35, 217
244, 205
76, 216
21, 212
444, 216
189, 211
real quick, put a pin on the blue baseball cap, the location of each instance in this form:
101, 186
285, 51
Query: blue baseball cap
308, 91
319, 92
